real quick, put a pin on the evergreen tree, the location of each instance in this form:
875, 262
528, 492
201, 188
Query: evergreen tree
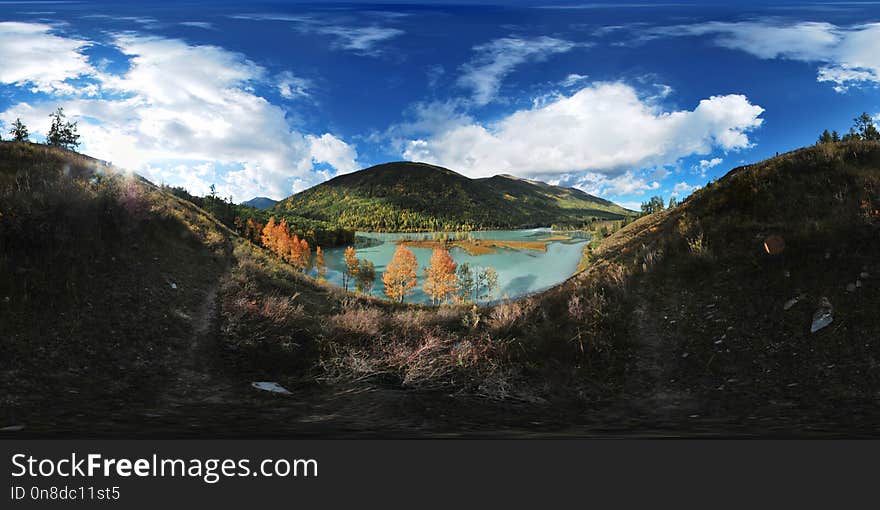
62, 133
825, 137
655, 204
864, 126
19, 131
672, 203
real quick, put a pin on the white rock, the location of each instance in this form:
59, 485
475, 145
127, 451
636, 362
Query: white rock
173, 285
272, 387
823, 316
791, 302
12, 428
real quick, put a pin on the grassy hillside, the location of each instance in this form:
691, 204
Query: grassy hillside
681, 322
103, 281
416, 196
724, 326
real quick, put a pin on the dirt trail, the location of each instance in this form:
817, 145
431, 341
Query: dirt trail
662, 399
195, 377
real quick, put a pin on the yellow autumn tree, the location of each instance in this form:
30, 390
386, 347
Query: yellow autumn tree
351, 267
320, 263
440, 281
400, 275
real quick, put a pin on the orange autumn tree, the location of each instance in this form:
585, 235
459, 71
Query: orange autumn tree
351, 267
440, 280
320, 264
267, 236
301, 257
253, 230
400, 275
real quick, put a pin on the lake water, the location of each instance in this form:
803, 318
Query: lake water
519, 271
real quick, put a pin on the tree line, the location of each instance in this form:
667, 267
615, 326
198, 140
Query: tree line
445, 280
62, 133
863, 128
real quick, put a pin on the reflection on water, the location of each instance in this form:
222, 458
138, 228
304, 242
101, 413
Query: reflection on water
519, 271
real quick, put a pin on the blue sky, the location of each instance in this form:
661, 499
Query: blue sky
624, 101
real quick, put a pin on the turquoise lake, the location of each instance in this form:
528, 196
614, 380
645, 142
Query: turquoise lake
520, 272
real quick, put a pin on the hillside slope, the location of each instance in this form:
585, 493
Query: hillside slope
681, 324
722, 324
406, 196
104, 281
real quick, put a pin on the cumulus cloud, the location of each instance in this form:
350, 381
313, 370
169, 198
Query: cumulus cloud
496, 59
605, 128
333, 151
35, 57
706, 164
847, 55
194, 105
683, 188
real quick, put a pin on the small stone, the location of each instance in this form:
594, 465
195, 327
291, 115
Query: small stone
850, 287
858, 284
788, 274
864, 274
173, 285
685, 355
823, 316
272, 387
827, 255
12, 428
791, 302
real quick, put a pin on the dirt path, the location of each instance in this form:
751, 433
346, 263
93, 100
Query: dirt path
195, 375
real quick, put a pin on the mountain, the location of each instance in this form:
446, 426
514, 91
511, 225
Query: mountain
406, 196
260, 203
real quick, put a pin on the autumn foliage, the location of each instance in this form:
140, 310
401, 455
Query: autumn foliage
351, 267
276, 237
400, 275
320, 263
440, 278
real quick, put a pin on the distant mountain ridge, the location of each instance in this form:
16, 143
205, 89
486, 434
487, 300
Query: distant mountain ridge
408, 196
260, 203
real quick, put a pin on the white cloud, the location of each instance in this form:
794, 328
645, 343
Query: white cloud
706, 164
33, 56
848, 55
290, 86
605, 128
498, 58
574, 79
179, 103
198, 24
362, 40
683, 188
333, 151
